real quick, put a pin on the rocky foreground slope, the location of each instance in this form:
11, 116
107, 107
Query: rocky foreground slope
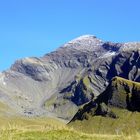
58, 83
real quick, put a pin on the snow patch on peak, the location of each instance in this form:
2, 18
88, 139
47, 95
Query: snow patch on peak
85, 38
85, 42
2, 79
108, 54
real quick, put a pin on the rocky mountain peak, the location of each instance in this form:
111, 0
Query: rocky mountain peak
85, 42
85, 37
130, 46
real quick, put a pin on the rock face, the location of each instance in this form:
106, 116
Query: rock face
73, 75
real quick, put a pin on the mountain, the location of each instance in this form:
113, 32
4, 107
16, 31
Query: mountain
58, 83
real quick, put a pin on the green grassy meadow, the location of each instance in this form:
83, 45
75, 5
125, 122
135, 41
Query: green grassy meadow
18, 128
126, 127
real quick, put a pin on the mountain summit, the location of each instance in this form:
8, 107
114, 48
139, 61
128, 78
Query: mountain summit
85, 42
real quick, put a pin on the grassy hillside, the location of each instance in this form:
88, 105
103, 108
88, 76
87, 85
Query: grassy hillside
96, 128
123, 93
50, 129
115, 111
120, 93
127, 123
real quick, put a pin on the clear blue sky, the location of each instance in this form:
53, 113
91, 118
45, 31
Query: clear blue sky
35, 27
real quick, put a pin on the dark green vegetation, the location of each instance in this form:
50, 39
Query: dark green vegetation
116, 110
122, 93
